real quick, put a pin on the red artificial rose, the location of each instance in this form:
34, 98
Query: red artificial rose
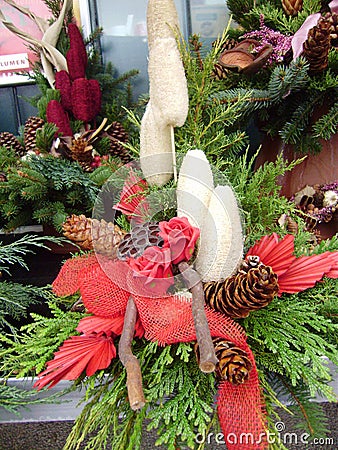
154, 266
180, 237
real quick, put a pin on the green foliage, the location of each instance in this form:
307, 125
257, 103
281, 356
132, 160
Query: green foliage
45, 137
12, 397
37, 341
179, 398
45, 190
289, 338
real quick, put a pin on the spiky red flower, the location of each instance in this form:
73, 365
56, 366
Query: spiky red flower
57, 115
294, 274
76, 42
85, 99
63, 83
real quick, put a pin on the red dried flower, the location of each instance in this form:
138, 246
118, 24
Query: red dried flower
132, 202
57, 115
78, 353
180, 237
75, 63
154, 267
63, 83
82, 100
95, 96
76, 42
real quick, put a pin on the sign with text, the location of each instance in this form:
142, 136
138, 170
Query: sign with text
16, 56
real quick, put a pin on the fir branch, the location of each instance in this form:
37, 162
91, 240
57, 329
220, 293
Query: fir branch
327, 125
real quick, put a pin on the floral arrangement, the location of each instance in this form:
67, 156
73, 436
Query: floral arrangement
177, 316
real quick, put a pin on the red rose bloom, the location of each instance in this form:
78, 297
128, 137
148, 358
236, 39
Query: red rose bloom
180, 237
154, 266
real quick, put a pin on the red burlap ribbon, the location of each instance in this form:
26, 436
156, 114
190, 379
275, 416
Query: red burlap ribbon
103, 285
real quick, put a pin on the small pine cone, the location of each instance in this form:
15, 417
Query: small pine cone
142, 236
219, 72
292, 7
117, 134
316, 47
8, 140
92, 234
31, 126
244, 292
233, 362
81, 151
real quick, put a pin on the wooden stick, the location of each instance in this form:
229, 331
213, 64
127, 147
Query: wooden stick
208, 359
130, 362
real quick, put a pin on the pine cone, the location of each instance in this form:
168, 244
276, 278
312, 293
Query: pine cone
31, 126
142, 236
316, 47
233, 362
9, 141
292, 7
93, 234
250, 289
219, 72
79, 149
117, 134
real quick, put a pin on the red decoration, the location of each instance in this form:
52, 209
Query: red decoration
78, 353
75, 63
76, 42
132, 202
57, 115
154, 268
63, 83
82, 100
96, 96
180, 237
294, 274
166, 320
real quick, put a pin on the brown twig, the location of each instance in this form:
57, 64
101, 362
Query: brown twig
130, 362
208, 359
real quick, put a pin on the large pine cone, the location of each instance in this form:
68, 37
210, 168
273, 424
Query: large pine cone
253, 287
31, 126
9, 141
292, 7
92, 234
233, 362
316, 47
141, 236
117, 134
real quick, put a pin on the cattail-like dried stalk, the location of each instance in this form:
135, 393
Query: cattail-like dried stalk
194, 187
221, 239
168, 105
